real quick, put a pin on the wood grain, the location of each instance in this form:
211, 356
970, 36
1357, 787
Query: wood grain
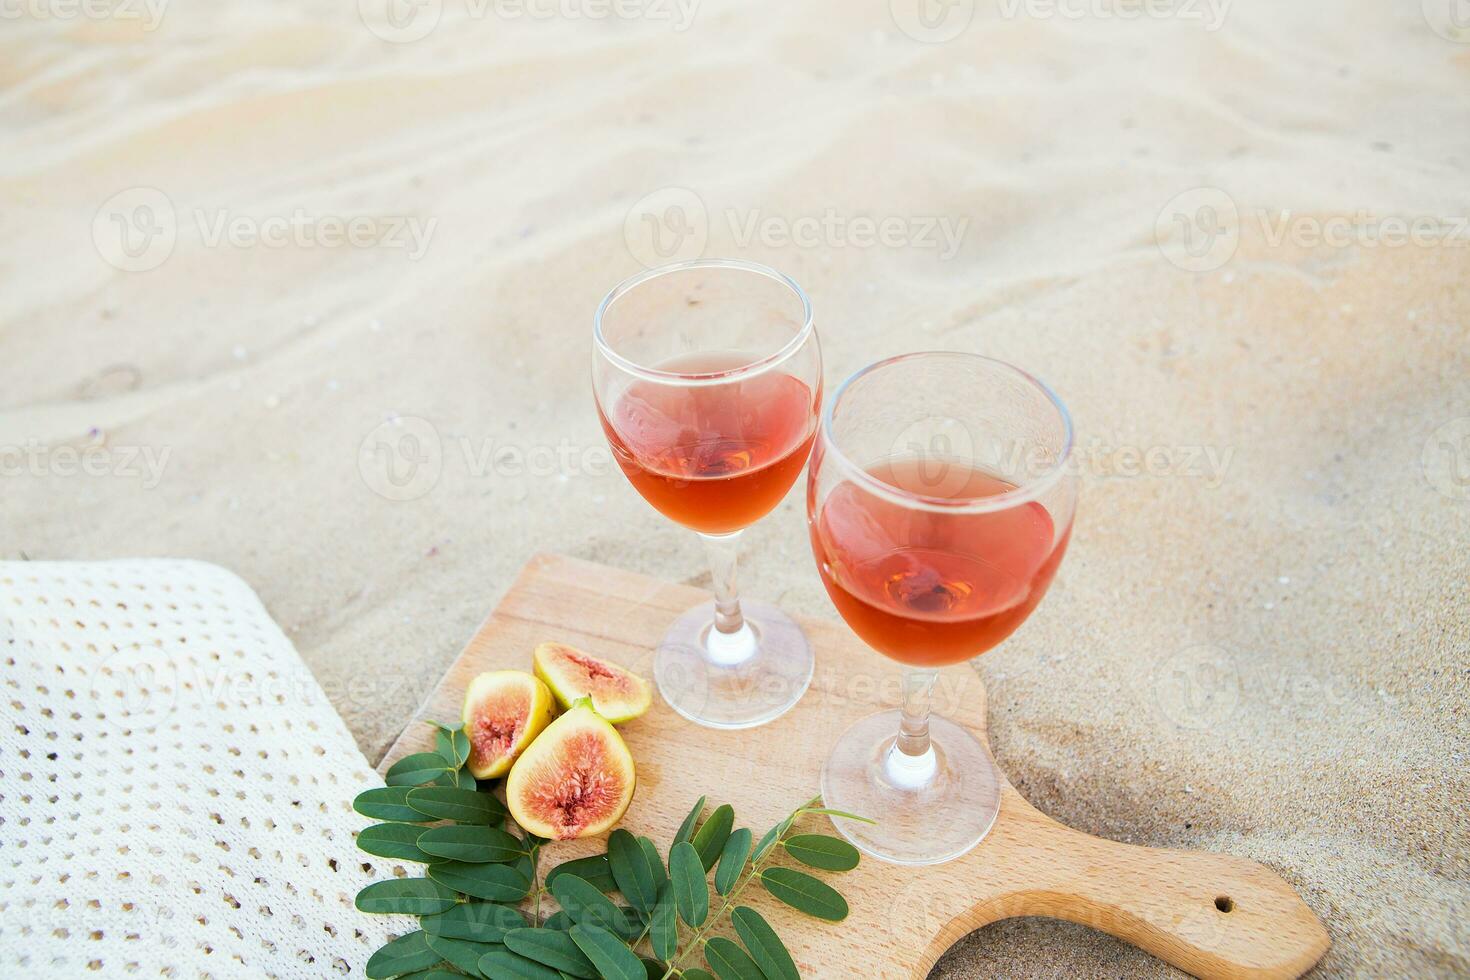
1212, 915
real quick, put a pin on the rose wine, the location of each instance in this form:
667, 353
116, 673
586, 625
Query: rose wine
930, 588
716, 457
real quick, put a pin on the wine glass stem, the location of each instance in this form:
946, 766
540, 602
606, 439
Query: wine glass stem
918, 696
731, 642
724, 553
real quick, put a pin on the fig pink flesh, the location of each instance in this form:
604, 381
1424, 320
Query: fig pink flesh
498, 723
581, 785
596, 675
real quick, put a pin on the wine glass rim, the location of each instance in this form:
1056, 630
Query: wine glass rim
1021, 494
702, 377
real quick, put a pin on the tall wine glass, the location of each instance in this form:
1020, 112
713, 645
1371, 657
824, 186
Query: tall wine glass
708, 379
940, 501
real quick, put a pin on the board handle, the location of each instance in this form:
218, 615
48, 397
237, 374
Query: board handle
1212, 915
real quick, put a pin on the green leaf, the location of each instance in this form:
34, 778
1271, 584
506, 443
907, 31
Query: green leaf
631, 870
838, 813
526, 864
403, 955
411, 770
802, 892
730, 961
636, 921
492, 882
656, 970
593, 870
502, 964
410, 896
459, 805
481, 922
771, 836
822, 851
764, 844
456, 779
695, 973
687, 827
465, 955
453, 745
765, 946
392, 840
388, 803
650, 853
612, 958
663, 931
710, 839
588, 906
550, 948
558, 920
432, 975
476, 845
732, 860
691, 890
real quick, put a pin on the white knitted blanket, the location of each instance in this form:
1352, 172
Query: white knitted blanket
175, 789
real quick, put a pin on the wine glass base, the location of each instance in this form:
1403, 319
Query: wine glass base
929, 809
733, 680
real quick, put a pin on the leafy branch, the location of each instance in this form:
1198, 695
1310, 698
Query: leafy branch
479, 901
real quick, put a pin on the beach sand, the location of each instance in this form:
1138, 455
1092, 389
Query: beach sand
1258, 642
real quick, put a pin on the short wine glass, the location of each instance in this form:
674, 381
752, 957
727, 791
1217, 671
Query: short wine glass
940, 500
708, 379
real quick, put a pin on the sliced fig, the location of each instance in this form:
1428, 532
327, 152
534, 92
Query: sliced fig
503, 711
617, 693
575, 780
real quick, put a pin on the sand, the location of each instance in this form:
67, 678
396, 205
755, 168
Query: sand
335, 241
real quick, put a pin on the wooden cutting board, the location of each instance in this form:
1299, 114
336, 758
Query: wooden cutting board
1212, 915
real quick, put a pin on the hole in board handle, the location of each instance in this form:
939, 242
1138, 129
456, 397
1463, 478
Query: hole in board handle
1224, 903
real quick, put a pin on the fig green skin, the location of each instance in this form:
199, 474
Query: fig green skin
482, 691
618, 694
528, 777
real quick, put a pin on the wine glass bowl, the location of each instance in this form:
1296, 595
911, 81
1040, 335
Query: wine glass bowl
940, 501
707, 377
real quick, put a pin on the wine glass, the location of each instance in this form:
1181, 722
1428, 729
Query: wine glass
708, 380
939, 501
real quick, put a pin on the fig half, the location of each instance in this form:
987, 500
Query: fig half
576, 780
617, 693
503, 711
